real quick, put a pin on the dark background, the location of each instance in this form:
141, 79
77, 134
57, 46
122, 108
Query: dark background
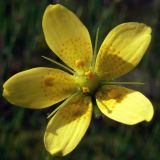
21, 46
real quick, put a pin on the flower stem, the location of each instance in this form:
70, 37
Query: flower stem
59, 64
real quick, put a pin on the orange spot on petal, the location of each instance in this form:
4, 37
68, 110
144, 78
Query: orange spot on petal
48, 81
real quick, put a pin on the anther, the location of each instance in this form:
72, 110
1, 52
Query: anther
85, 90
89, 74
79, 63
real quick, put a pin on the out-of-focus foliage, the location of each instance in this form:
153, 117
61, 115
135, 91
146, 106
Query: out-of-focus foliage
21, 46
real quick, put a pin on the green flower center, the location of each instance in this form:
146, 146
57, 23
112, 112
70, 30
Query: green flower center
88, 82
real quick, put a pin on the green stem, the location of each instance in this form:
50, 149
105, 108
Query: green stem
59, 64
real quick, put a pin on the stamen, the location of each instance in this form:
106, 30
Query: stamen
63, 104
59, 64
79, 63
85, 90
89, 74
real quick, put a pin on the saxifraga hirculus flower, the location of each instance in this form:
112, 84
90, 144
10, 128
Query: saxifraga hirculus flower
89, 78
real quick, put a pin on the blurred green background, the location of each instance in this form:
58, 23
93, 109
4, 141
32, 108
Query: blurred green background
21, 46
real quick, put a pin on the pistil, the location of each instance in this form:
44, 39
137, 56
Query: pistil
88, 82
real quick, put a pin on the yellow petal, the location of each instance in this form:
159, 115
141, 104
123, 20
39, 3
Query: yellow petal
124, 105
67, 37
122, 49
68, 126
39, 87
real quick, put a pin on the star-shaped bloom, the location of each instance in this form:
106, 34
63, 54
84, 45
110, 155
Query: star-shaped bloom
90, 79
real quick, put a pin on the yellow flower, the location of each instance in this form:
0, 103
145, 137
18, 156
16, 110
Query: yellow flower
42, 87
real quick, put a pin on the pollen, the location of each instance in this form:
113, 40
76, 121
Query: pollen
85, 90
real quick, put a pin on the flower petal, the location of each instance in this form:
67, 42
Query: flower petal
122, 49
68, 126
124, 105
38, 87
67, 37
